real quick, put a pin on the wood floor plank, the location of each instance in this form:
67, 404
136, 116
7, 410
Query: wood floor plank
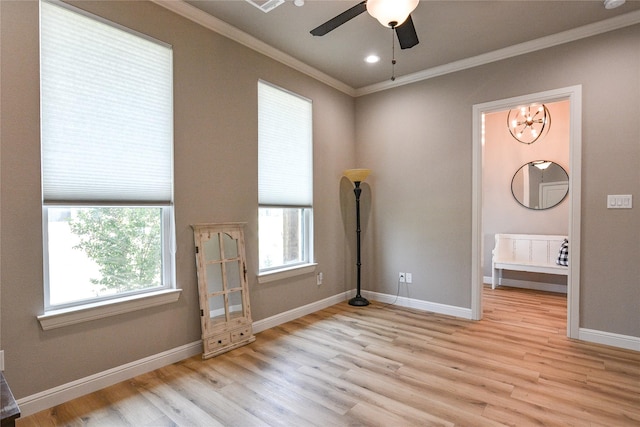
332, 400
288, 399
383, 365
409, 414
372, 415
170, 400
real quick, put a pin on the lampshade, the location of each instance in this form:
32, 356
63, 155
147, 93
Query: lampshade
391, 11
357, 175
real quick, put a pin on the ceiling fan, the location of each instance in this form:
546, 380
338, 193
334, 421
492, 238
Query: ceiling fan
390, 13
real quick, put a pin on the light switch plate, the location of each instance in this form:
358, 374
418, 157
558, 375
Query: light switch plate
619, 201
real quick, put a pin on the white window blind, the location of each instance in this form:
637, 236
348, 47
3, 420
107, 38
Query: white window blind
285, 153
107, 108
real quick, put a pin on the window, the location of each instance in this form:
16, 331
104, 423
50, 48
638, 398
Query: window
107, 159
285, 179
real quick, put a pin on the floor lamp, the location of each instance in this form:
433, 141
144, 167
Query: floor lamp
357, 176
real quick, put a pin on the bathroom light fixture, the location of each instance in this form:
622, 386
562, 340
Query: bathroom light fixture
528, 123
541, 164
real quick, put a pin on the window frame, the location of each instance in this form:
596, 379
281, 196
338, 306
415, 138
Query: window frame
168, 260
306, 238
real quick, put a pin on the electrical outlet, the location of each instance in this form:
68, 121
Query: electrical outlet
319, 278
401, 277
409, 278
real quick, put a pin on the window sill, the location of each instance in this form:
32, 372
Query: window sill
85, 313
284, 273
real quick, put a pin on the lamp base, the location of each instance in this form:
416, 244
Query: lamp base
358, 301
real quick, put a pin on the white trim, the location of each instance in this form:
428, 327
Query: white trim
546, 42
575, 204
63, 393
609, 338
212, 23
527, 284
287, 316
285, 273
434, 307
208, 21
85, 313
477, 244
574, 95
296, 313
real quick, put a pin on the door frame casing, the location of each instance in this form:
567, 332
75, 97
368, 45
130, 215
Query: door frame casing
574, 95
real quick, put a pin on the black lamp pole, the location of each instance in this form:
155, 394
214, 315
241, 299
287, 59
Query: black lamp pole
358, 300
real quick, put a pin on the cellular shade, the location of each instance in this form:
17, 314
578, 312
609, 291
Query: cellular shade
285, 152
107, 111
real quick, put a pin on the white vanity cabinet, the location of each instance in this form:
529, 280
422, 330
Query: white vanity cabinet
225, 313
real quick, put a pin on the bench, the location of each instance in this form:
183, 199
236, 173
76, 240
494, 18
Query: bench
534, 253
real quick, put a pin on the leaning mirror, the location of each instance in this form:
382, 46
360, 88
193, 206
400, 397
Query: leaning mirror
540, 184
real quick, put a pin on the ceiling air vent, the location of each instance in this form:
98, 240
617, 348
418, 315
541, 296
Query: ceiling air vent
266, 5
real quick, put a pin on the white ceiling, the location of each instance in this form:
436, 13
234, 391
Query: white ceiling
450, 32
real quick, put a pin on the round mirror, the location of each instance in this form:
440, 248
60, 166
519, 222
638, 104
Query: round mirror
540, 184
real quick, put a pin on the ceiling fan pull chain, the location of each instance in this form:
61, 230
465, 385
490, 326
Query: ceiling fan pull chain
393, 54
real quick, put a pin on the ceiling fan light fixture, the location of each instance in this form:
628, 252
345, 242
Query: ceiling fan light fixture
391, 13
612, 4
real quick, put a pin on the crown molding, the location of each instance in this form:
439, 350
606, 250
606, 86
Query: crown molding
214, 24
202, 18
578, 33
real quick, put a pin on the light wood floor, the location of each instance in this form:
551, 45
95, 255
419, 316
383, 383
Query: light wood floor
386, 366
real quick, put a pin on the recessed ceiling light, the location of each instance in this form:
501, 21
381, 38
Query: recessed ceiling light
372, 59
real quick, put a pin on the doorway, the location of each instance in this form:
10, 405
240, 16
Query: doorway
574, 95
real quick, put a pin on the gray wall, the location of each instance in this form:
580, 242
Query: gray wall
215, 97
418, 141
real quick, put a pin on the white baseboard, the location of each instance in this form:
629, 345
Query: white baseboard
296, 313
609, 338
589, 335
433, 307
65, 392
526, 284
57, 395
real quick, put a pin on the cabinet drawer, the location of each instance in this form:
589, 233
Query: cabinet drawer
216, 342
241, 334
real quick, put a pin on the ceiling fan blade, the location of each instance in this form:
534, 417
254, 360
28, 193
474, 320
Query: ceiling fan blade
335, 22
407, 35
